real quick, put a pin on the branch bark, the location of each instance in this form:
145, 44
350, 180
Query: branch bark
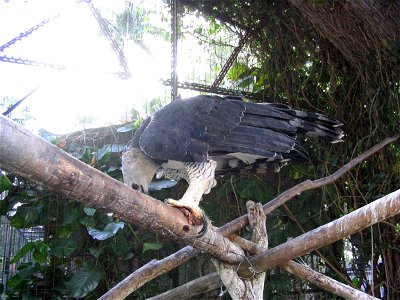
250, 287
240, 222
322, 281
383, 208
325, 282
357, 220
195, 287
151, 270
25, 154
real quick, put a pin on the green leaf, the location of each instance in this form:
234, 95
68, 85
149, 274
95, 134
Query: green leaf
27, 216
96, 252
112, 169
355, 281
63, 232
63, 247
25, 270
125, 128
245, 82
128, 255
249, 188
24, 250
77, 150
5, 183
137, 123
85, 281
70, 215
89, 211
237, 70
110, 230
14, 282
114, 148
151, 246
40, 253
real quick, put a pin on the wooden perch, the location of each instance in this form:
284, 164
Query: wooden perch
212, 281
320, 280
379, 210
195, 287
324, 282
148, 272
357, 220
25, 154
200, 285
240, 222
251, 287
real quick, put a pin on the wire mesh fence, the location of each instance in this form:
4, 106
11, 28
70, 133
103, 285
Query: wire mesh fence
12, 240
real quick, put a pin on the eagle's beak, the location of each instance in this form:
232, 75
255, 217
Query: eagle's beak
144, 189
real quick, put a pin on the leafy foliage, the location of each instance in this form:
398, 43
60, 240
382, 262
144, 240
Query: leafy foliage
94, 245
85, 281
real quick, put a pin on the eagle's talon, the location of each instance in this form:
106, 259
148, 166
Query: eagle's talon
192, 212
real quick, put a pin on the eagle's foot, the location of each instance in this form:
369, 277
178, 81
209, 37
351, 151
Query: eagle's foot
192, 212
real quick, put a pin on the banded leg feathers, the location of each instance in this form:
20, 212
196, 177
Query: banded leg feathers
200, 177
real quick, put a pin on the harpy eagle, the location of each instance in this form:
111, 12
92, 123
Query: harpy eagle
198, 138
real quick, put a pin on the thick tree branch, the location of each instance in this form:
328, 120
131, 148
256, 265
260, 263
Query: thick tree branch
326, 261
324, 282
240, 222
195, 287
148, 272
357, 220
25, 154
251, 287
379, 210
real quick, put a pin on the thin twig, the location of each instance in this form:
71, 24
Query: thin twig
242, 221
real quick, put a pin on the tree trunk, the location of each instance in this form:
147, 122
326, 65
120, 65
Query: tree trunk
251, 287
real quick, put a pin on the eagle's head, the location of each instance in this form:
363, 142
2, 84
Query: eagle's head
138, 169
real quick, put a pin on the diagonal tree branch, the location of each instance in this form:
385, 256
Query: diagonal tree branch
379, 210
240, 222
357, 220
325, 282
307, 185
193, 288
151, 270
25, 154
293, 217
322, 281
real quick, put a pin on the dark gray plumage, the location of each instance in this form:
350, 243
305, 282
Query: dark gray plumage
222, 136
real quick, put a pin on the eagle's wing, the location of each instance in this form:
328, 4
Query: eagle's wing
194, 129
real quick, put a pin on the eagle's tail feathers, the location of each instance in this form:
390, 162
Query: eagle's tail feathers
283, 119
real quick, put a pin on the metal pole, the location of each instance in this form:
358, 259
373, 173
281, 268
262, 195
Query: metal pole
174, 30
